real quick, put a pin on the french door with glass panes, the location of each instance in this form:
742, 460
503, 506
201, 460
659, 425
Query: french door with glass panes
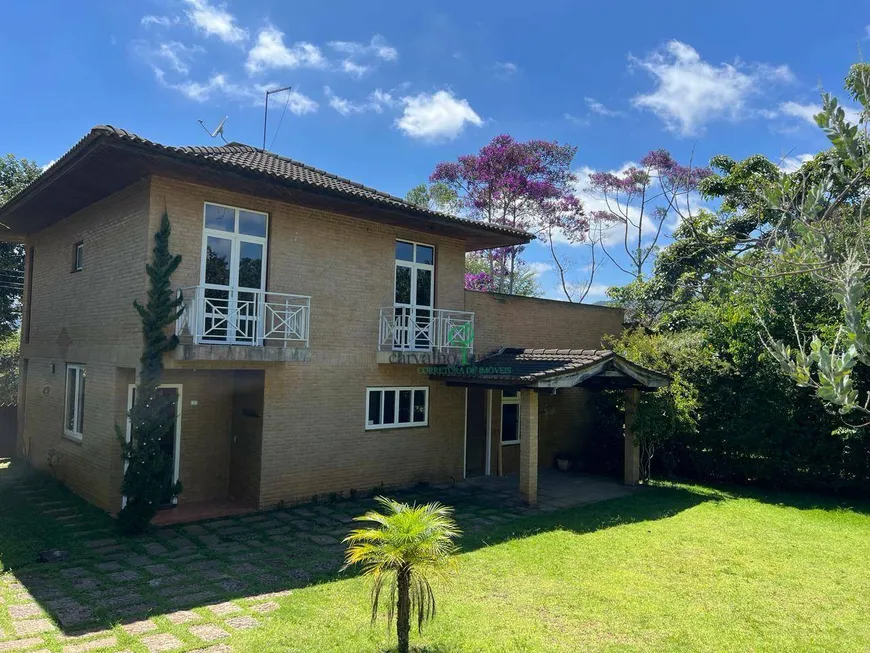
415, 283
233, 275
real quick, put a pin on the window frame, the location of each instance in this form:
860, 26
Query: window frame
78, 262
509, 401
78, 400
396, 424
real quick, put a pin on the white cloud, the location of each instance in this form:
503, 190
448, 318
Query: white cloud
691, 92
376, 101
802, 111
539, 267
377, 47
173, 54
161, 21
436, 116
381, 99
506, 68
270, 52
252, 94
577, 120
49, 164
343, 106
792, 163
215, 20
354, 69
596, 291
597, 107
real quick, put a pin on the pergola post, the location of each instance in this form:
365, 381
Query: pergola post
529, 446
632, 453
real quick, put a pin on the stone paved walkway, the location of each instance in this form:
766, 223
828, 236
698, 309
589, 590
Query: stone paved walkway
188, 587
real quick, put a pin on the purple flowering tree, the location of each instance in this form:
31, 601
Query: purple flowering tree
638, 202
527, 186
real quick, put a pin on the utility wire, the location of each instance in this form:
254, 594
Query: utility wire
286, 104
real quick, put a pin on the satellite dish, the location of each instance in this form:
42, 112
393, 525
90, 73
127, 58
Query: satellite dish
218, 131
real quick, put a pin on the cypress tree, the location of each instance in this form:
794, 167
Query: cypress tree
152, 417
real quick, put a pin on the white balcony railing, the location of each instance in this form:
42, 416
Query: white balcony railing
418, 329
243, 317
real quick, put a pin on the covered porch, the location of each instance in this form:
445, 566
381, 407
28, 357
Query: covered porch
520, 377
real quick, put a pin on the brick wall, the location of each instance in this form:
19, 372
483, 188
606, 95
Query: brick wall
84, 317
529, 322
313, 434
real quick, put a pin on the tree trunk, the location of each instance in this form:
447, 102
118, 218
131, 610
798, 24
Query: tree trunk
403, 609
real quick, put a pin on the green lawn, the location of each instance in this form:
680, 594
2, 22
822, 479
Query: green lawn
676, 568
672, 568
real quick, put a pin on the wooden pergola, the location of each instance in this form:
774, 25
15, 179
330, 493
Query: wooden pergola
535, 371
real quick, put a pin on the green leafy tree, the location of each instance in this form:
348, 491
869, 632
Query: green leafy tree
526, 282
9, 348
152, 418
15, 175
403, 551
435, 196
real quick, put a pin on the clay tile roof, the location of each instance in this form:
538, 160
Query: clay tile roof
269, 164
529, 365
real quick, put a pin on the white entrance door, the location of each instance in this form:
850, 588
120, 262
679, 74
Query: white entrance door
233, 275
414, 289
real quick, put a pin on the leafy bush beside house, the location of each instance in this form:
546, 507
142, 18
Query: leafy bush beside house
9, 348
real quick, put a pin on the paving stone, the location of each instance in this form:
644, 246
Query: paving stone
183, 616
20, 644
208, 632
182, 543
93, 645
193, 598
263, 608
158, 569
139, 627
232, 585
109, 566
253, 519
155, 548
204, 564
125, 576
227, 607
74, 615
72, 572
24, 611
139, 561
98, 544
103, 550
135, 611
243, 623
161, 642
210, 540
32, 626
80, 584
217, 648
323, 540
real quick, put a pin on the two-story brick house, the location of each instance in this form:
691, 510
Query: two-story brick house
315, 310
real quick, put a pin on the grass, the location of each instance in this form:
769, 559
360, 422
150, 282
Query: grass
678, 568
675, 568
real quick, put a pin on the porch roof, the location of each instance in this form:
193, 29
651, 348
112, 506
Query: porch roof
551, 369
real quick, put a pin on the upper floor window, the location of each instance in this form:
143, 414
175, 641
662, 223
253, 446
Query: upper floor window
74, 402
229, 219
78, 256
414, 295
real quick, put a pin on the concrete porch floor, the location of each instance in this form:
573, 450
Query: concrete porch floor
556, 490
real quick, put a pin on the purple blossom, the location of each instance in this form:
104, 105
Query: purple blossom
481, 281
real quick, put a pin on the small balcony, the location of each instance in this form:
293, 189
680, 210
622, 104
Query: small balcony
241, 324
421, 335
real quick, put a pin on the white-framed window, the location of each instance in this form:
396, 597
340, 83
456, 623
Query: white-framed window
74, 401
510, 417
78, 257
390, 408
414, 293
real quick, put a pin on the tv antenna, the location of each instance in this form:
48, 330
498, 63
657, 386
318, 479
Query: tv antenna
266, 111
218, 131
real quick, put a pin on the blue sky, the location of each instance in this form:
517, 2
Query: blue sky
382, 91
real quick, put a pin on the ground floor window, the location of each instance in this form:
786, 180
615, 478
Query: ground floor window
510, 417
74, 402
394, 407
